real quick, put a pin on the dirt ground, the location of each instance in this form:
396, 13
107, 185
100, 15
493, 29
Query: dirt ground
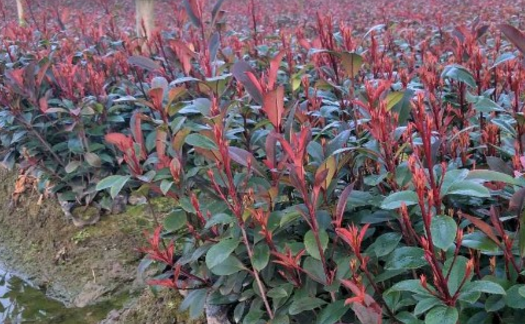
86, 267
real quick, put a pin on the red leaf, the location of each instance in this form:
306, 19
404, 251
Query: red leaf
273, 106
42, 102
341, 205
274, 68
160, 145
136, 129
481, 225
240, 71
122, 141
156, 95
517, 201
184, 54
514, 35
143, 62
194, 11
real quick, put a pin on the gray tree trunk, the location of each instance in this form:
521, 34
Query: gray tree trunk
145, 17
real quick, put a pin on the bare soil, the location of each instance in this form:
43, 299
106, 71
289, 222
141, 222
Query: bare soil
84, 267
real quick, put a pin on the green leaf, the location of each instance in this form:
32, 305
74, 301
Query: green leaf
277, 293
443, 229
280, 319
479, 241
261, 256
386, 243
115, 183
489, 175
483, 286
300, 305
165, 186
195, 301
456, 274
442, 315
228, 267
218, 219
117, 187
412, 285
521, 291
175, 220
220, 251
505, 125
484, 105
407, 318
311, 244
396, 200
93, 160
494, 303
469, 188
452, 177
459, 73
351, 63
72, 166
514, 299
332, 313
425, 304
406, 258
521, 235
505, 57
393, 99
201, 141
315, 268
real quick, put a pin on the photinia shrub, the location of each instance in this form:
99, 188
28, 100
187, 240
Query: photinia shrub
334, 190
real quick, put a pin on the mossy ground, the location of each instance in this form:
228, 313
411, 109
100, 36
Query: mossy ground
88, 266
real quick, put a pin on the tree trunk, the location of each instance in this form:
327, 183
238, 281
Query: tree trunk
21, 12
145, 17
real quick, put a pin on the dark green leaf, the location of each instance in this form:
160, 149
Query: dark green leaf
332, 313
483, 286
396, 200
514, 299
443, 229
201, 141
489, 175
195, 301
406, 258
442, 315
311, 244
386, 243
459, 73
469, 188
175, 220
228, 266
261, 256
456, 274
115, 183
315, 268
220, 251
412, 285
425, 304
300, 305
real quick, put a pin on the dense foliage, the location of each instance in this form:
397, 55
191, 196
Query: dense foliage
329, 172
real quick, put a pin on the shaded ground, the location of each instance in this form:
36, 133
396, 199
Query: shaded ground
83, 267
